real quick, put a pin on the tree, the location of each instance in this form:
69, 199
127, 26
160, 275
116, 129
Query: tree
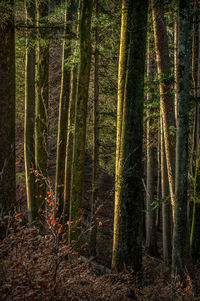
127, 250
63, 108
151, 243
71, 117
42, 95
166, 97
180, 218
95, 153
7, 104
80, 120
195, 152
29, 152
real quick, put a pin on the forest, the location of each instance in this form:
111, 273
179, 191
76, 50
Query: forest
100, 150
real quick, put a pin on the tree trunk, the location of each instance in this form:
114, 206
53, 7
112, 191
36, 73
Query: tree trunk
29, 151
166, 207
166, 98
80, 122
127, 249
121, 84
95, 153
70, 132
180, 218
151, 242
63, 109
7, 105
41, 110
195, 230
176, 65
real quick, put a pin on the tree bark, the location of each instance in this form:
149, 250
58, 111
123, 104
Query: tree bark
7, 104
29, 151
71, 118
166, 206
195, 230
166, 98
151, 242
95, 152
80, 122
63, 109
127, 249
41, 109
180, 246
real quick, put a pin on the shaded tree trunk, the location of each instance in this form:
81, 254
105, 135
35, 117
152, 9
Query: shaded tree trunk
41, 109
166, 97
7, 104
63, 109
180, 218
71, 117
195, 230
151, 242
29, 151
80, 121
127, 249
95, 153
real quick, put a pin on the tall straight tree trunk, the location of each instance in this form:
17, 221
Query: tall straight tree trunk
80, 121
121, 85
29, 151
95, 155
42, 95
195, 230
180, 218
176, 65
151, 242
63, 109
127, 249
166, 207
166, 97
7, 105
71, 118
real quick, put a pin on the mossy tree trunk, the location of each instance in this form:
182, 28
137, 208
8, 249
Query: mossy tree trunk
41, 109
127, 248
63, 109
7, 105
29, 151
166, 96
180, 244
80, 121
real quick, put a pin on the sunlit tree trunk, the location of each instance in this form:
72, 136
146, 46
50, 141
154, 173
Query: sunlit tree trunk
29, 148
80, 121
95, 155
7, 105
166, 206
127, 249
41, 109
121, 84
63, 109
180, 218
166, 96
